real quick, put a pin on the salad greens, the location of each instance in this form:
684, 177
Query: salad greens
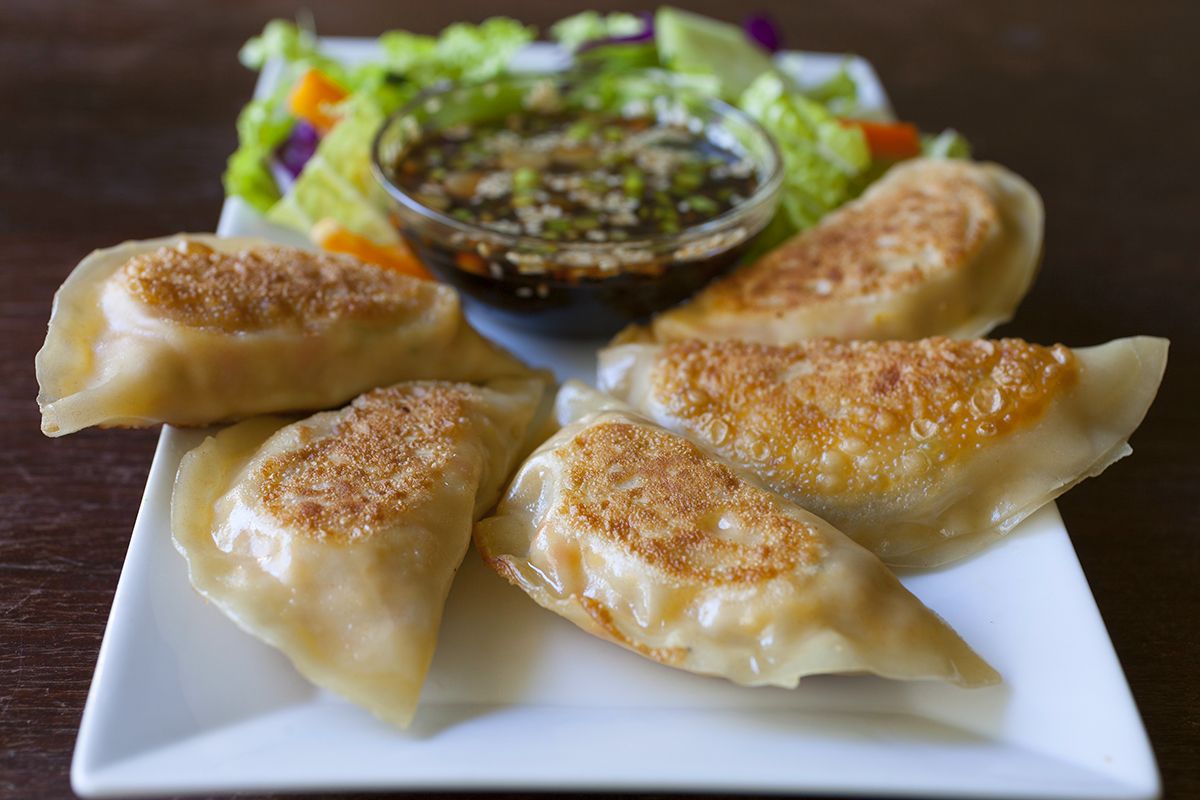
821, 156
304, 158
462, 51
947, 144
694, 44
336, 182
589, 26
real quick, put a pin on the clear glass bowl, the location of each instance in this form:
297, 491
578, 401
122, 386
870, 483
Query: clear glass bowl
577, 289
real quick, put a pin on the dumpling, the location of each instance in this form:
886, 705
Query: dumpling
638, 537
193, 329
922, 451
935, 247
336, 538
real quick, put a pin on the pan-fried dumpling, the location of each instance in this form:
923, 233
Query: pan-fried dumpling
935, 247
335, 538
922, 451
637, 536
194, 329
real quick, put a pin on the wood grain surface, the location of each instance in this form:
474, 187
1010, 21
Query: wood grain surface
118, 116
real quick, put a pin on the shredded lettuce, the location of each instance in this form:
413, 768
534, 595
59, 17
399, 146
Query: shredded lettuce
821, 157
617, 58
692, 43
839, 94
947, 144
462, 51
265, 123
260, 130
289, 43
588, 26
337, 184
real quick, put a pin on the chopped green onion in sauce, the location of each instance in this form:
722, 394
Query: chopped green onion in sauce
576, 177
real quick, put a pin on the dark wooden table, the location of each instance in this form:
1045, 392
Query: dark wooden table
118, 116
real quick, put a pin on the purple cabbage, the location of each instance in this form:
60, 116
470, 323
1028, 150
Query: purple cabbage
646, 35
298, 147
762, 30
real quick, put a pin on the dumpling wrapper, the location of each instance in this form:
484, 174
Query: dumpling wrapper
194, 329
934, 247
923, 451
336, 538
640, 538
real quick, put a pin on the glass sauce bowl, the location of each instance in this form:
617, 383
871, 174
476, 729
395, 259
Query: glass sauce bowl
578, 288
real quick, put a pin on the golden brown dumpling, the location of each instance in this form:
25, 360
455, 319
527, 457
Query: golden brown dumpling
935, 247
194, 329
637, 536
922, 451
336, 538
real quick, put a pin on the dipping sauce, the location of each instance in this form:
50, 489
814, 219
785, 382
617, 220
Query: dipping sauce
571, 203
591, 177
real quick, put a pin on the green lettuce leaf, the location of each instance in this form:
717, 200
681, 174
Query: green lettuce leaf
839, 94
620, 58
947, 144
266, 122
588, 26
288, 42
693, 43
261, 129
462, 51
821, 157
337, 183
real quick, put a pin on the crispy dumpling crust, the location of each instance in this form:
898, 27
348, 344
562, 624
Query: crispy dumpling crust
922, 450
196, 329
336, 538
934, 247
250, 289
637, 536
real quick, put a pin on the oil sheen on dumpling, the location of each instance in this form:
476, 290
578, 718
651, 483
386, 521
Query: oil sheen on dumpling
336, 538
194, 329
640, 538
935, 247
922, 451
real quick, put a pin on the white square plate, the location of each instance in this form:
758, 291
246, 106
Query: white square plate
184, 702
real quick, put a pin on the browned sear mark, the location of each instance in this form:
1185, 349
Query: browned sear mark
382, 459
829, 417
665, 502
908, 228
250, 290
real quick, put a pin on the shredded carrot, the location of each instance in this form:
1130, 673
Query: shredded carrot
313, 98
328, 235
471, 263
889, 140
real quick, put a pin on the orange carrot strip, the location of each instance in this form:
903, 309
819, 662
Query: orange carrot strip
471, 263
330, 236
889, 140
313, 98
